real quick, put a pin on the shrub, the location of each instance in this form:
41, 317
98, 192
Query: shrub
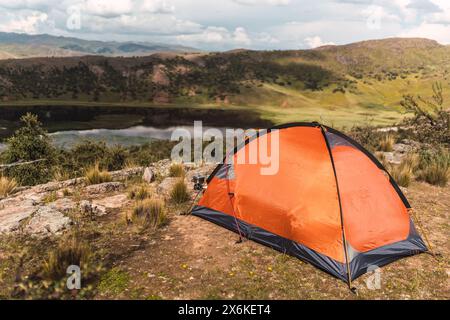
139, 193
150, 152
70, 252
179, 192
116, 158
150, 213
368, 137
435, 167
95, 176
7, 186
176, 170
30, 142
88, 153
386, 143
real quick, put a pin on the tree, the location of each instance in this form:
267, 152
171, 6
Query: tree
431, 123
29, 143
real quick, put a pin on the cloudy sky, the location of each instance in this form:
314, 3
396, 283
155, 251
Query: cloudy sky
227, 24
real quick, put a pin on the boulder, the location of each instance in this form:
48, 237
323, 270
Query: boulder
105, 187
126, 173
92, 209
11, 217
63, 205
47, 221
148, 176
111, 203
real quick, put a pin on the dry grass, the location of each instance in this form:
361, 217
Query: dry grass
95, 176
50, 197
7, 186
435, 170
179, 193
403, 174
139, 193
60, 175
176, 170
70, 252
149, 213
386, 143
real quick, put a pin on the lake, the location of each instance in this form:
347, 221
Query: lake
123, 125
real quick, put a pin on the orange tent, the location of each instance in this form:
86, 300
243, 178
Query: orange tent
331, 203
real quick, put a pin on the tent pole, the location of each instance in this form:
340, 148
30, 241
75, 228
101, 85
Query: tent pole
344, 240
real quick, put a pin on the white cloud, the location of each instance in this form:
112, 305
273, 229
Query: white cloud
157, 6
438, 32
218, 38
264, 2
28, 23
316, 41
107, 8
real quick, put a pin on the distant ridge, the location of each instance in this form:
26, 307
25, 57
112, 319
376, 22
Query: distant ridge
20, 45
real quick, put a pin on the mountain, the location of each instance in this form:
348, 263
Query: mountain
18, 45
353, 83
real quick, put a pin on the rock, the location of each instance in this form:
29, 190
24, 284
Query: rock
111, 203
105, 187
12, 216
393, 158
47, 221
402, 148
166, 185
148, 176
126, 173
92, 209
63, 205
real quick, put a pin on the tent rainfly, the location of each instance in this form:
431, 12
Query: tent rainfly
332, 203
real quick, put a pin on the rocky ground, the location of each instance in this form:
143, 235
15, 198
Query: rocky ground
189, 258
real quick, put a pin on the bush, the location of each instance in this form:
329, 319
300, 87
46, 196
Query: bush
176, 170
7, 186
151, 152
116, 158
30, 142
368, 137
150, 213
435, 167
179, 193
95, 176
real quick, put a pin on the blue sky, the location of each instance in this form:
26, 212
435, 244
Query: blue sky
228, 24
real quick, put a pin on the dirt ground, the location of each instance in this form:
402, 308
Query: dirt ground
194, 259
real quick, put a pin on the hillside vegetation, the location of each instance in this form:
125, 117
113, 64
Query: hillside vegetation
20, 45
356, 83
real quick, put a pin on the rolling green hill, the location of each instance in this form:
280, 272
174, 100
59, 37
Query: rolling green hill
338, 85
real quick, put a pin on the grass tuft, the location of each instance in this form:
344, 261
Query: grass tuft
7, 186
96, 176
149, 213
386, 143
70, 252
403, 173
176, 170
139, 193
435, 169
179, 193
